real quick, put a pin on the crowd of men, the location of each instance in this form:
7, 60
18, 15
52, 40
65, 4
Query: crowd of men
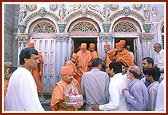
115, 83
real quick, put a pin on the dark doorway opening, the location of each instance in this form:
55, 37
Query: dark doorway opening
78, 41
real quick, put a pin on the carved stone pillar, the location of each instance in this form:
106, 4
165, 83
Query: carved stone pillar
106, 27
61, 27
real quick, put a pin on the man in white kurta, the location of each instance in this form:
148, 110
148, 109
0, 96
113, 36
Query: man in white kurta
22, 92
118, 82
160, 97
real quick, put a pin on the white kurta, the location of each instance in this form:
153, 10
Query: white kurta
22, 92
160, 97
117, 101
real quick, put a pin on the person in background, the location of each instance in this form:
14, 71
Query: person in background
22, 90
123, 55
7, 65
129, 49
107, 59
137, 94
93, 53
84, 57
117, 101
8, 74
152, 75
159, 59
38, 72
74, 65
160, 100
94, 85
57, 95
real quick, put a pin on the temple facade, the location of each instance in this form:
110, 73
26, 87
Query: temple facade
57, 29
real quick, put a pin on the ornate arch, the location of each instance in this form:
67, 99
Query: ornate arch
127, 13
84, 25
88, 16
126, 25
159, 29
42, 26
40, 14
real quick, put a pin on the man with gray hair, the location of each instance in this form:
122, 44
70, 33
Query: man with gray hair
159, 59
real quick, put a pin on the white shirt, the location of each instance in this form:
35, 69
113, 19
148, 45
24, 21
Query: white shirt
159, 61
22, 92
160, 97
117, 101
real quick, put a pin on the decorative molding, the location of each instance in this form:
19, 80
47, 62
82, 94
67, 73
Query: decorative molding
106, 37
44, 27
62, 37
61, 27
128, 13
42, 12
106, 27
22, 37
32, 7
147, 27
53, 7
137, 6
147, 36
22, 27
114, 7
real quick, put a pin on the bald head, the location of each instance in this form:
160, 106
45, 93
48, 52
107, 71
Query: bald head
135, 70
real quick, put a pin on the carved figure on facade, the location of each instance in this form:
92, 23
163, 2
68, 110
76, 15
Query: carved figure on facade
62, 12
32, 7
147, 11
106, 12
114, 7
74, 7
23, 12
53, 7
94, 7
84, 9
137, 6
154, 14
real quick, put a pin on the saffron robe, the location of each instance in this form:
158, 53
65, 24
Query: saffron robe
84, 60
58, 95
36, 74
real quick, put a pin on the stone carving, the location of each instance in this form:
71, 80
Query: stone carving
22, 27
106, 27
147, 11
126, 11
125, 26
84, 27
94, 7
137, 6
75, 7
53, 7
42, 12
154, 14
44, 27
23, 12
84, 9
62, 12
147, 27
147, 36
114, 7
32, 7
106, 12
61, 27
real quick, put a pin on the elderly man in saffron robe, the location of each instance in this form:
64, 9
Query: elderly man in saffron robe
57, 97
84, 57
37, 72
123, 55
